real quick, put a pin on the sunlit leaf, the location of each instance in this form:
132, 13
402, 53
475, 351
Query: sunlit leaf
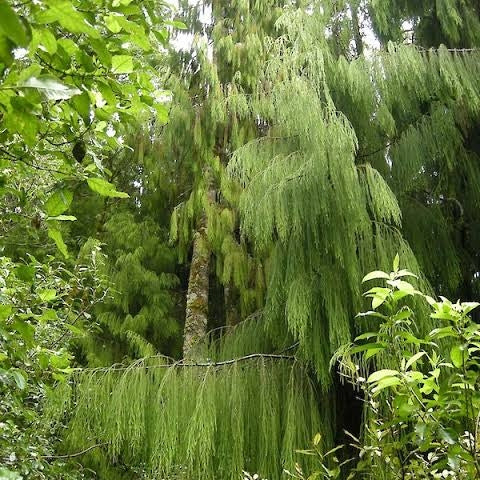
57, 237
58, 202
104, 188
19, 378
11, 25
380, 374
122, 64
51, 87
374, 275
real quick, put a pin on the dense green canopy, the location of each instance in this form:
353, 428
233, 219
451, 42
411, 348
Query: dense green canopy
307, 143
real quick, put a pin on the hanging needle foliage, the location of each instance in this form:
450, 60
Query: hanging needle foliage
191, 421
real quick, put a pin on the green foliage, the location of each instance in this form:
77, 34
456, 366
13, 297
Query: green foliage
140, 318
355, 161
452, 22
73, 76
421, 392
194, 420
305, 163
41, 307
330, 466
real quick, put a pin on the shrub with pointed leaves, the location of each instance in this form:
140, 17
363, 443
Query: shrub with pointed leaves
422, 400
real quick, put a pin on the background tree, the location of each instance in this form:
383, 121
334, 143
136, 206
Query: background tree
69, 86
296, 159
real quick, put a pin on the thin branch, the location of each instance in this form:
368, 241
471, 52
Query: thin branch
183, 363
381, 149
73, 455
453, 50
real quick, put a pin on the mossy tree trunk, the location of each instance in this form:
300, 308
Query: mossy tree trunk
197, 294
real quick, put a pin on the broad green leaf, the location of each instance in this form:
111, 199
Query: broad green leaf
448, 435
404, 273
380, 374
104, 188
122, 64
378, 290
399, 294
469, 306
378, 300
19, 378
367, 346
48, 315
82, 105
5, 311
102, 52
403, 406
111, 21
137, 32
25, 273
25, 329
6, 47
46, 39
57, 237
374, 275
107, 93
457, 356
442, 332
402, 314
402, 286
59, 202
11, 25
59, 361
162, 113
385, 383
63, 12
410, 338
372, 352
47, 295
414, 359
52, 87
366, 336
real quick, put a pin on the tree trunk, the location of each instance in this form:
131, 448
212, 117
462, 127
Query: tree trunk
354, 6
231, 305
197, 295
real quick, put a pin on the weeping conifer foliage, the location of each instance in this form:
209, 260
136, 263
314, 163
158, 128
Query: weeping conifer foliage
197, 421
142, 315
331, 190
323, 167
324, 219
454, 23
212, 121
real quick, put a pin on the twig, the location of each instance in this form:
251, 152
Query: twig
73, 455
183, 363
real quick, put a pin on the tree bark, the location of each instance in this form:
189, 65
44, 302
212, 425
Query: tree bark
232, 297
197, 294
354, 6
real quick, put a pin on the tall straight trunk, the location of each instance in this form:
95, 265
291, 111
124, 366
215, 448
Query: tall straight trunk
354, 6
197, 294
